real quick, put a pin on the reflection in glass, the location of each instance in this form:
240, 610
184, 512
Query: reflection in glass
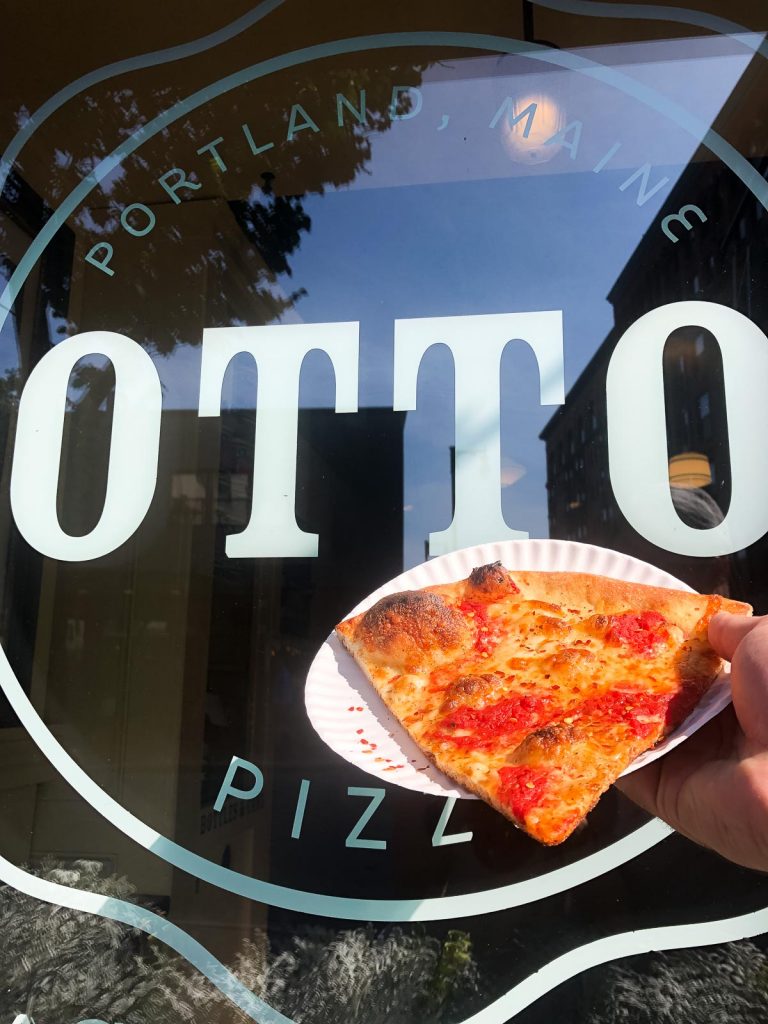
155, 666
59, 964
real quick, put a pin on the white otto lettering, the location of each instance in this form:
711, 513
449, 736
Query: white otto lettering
477, 344
133, 452
637, 436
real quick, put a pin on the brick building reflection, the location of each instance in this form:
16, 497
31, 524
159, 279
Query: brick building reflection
717, 261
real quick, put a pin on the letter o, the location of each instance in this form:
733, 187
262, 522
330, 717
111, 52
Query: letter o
637, 435
133, 452
138, 232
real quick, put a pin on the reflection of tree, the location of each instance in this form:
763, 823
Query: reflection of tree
66, 966
50, 281
273, 225
10, 389
250, 218
727, 984
361, 977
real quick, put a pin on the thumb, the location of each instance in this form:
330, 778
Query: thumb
745, 642
726, 631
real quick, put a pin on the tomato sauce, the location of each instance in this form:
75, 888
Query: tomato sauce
509, 718
642, 632
522, 788
488, 636
641, 712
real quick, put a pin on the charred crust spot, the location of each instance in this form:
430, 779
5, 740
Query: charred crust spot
408, 625
544, 742
599, 623
412, 608
486, 575
471, 684
492, 580
467, 690
551, 735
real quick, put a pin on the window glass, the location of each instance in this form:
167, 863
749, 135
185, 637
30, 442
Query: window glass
297, 302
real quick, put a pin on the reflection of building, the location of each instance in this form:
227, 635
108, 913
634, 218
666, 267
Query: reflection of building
157, 664
716, 261
160, 662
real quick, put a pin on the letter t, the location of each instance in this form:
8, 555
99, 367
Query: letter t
279, 350
477, 344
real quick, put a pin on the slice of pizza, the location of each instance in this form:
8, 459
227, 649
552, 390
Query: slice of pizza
535, 690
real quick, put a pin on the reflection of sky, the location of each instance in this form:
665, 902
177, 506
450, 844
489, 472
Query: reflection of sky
478, 233
698, 74
458, 249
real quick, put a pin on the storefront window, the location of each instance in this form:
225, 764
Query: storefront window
295, 302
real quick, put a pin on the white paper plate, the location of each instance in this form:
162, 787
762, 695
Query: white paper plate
352, 719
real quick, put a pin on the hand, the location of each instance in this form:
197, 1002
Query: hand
714, 787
